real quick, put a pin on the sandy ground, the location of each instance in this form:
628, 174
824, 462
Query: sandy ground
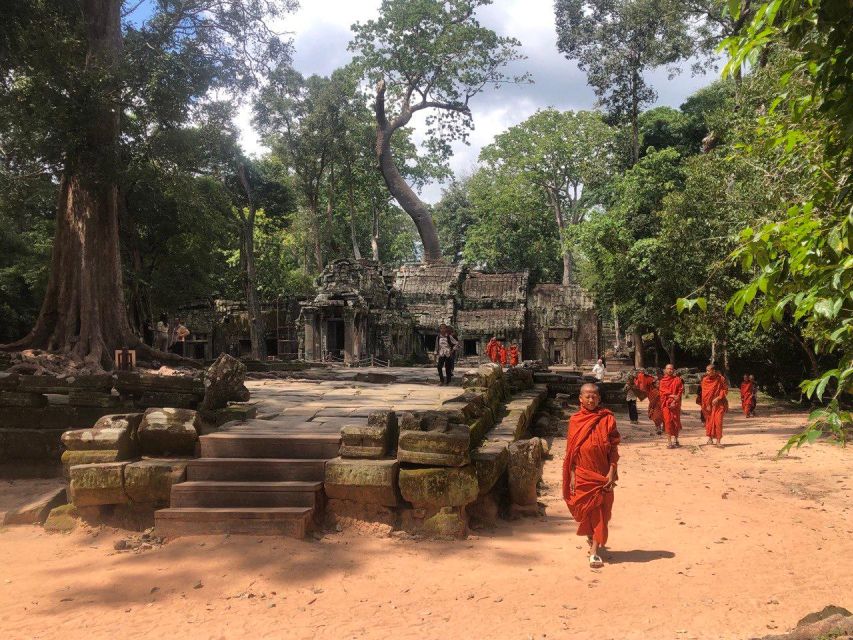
705, 543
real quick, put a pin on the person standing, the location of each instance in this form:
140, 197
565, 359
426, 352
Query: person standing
599, 370
502, 354
631, 401
747, 396
671, 389
161, 339
444, 347
715, 403
513, 355
590, 469
492, 349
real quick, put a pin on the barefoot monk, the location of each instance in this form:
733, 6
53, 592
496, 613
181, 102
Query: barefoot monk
671, 389
715, 403
589, 469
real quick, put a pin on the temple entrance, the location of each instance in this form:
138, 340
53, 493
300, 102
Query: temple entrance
335, 337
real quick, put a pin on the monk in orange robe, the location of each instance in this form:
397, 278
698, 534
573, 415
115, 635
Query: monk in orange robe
589, 469
671, 389
513, 355
502, 354
655, 412
747, 396
492, 349
642, 383
714, 403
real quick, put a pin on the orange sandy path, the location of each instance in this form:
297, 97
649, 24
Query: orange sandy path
705, 543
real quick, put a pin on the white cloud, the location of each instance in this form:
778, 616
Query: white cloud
321, 32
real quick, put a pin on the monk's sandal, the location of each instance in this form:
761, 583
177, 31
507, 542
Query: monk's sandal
595, 562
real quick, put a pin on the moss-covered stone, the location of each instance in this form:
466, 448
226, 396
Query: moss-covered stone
371, 440
490, 461
448, 449
169, 431
370, 481
150, 481
74, 458
61, 519
22, 399
98, 484
116, 432
439, 486
435, 522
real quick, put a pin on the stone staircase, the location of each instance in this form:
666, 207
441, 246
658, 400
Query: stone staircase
258, 477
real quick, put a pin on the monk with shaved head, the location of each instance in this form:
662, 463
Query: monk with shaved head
589, 469
715, 403
671, 389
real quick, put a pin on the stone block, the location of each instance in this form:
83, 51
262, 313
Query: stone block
62, 519
30, 444
439, 486
8, 381
351, 514
156, 399
52, 416
37, 510
86, 398
524, 471
231, 413
133, 383
224, 381
490, 461
117, 432
373, 481
485, 511
73, 458
371, 440
22, 399
168, 431
449, 449
438, 522
150, 481
98, 484
43, 384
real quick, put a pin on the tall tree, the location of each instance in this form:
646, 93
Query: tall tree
615, 42
427, 55
69, 58
559, 153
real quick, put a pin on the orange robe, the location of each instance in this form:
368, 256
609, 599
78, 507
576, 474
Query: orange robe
671, 390
513, 356
492, 350
643, 382
592, 447
714, 387
747, 397
655, 412
502, 354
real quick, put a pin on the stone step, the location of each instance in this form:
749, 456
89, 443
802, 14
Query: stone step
268, 445
275, 521
255, 469
211, 494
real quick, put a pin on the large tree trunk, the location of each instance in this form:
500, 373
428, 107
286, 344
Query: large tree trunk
374, 234
356, 252
639, 357
397, 185
561, 229
83, 314
250, 277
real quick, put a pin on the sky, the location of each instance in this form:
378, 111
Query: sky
321, 31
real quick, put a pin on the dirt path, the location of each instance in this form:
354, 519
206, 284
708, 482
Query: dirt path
705, 543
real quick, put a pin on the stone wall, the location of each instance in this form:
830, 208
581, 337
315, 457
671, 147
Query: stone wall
421, 471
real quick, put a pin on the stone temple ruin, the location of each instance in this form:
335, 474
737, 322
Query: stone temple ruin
360, 312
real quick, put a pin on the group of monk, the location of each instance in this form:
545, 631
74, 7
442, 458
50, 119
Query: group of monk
500, 354
592, 442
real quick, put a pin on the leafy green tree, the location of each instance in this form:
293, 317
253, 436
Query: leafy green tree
454, 214
615, 42
559, 153
87, 72
433, 56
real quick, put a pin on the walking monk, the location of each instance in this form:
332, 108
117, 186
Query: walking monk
513, 355
502, 354
643, 382
671, 389
492, 349
747, 396
589, 469
714, 403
